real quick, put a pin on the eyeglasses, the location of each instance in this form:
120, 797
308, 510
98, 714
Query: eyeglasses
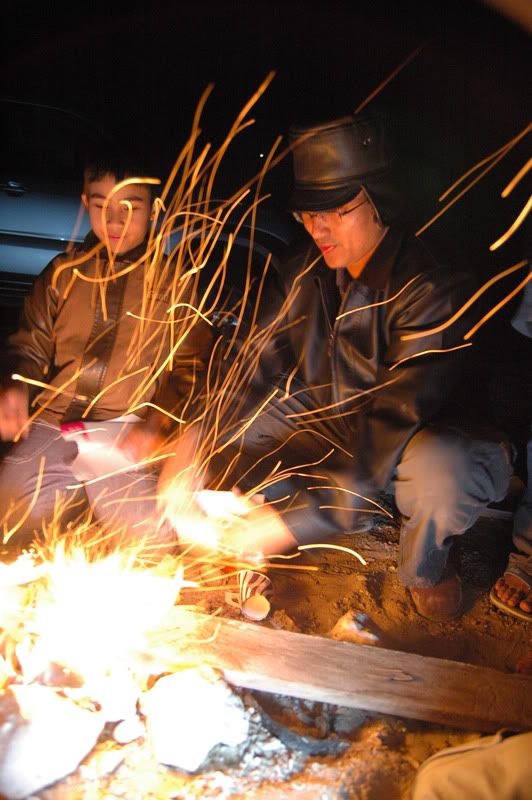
307, 218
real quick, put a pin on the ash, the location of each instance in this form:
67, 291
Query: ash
264, 761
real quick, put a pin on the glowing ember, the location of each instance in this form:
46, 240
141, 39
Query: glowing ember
87, 616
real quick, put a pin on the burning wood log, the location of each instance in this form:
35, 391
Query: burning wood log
370, 678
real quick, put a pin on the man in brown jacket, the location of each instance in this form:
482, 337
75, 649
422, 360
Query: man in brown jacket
98, 355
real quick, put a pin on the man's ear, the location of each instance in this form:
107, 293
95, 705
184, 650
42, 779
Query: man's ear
84, 200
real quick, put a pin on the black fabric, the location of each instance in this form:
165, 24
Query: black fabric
353, 358
333, 160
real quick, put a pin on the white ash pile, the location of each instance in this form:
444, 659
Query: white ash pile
45, 732
191, 729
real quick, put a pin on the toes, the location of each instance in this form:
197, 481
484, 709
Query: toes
512, 591
510, 596
500, 586
526, 604
513, 597
502, 590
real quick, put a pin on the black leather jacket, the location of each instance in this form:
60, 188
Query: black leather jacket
354, 354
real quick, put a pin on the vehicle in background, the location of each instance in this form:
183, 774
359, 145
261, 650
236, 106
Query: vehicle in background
40, 209
41, 163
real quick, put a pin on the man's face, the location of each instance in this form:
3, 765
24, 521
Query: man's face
120, 217
345, 238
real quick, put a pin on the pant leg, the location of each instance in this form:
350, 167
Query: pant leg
23, 509
444, 480
522, 528
125, 507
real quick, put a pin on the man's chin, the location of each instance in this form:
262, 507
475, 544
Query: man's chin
332, 261
120, 250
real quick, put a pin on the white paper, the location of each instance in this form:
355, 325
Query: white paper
98, 453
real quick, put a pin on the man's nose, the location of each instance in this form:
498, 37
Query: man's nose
318, 225
116, 214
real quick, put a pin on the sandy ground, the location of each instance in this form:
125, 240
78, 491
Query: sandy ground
303, 750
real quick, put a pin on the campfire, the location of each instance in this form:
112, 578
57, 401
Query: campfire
97, 646
100, 654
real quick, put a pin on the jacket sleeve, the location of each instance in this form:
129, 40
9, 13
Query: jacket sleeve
30, 350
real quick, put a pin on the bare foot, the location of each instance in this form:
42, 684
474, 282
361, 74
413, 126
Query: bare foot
515, 592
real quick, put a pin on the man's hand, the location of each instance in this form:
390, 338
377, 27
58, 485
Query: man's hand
14, 412
259, 532
141, 442
226, 523
237, 526
179, 473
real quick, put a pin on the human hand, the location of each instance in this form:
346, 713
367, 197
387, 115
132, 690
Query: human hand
180, 473
229, 524
140, 442
257, 532
14, 400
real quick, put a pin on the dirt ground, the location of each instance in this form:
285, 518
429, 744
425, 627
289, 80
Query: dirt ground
308, 751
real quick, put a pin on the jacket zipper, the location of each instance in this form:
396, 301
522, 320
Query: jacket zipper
332, 342
327, 315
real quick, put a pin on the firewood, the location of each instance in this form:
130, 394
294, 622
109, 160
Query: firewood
375, 679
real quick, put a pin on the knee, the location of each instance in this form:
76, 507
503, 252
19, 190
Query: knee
445, 465
435, 461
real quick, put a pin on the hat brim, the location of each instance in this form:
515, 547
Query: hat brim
313, 199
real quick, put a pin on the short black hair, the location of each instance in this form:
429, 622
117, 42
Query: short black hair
120, 162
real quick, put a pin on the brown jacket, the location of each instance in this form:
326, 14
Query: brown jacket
126, 352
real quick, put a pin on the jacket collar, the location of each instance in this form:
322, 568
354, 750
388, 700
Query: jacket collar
376, 272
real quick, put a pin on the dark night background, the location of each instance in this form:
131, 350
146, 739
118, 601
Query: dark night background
138, 70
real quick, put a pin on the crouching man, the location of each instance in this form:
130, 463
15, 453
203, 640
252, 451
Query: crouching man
366, 357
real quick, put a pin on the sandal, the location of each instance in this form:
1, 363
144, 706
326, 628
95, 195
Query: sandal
441, 602
255, 591
519, 566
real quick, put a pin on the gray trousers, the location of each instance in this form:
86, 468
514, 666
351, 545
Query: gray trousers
445, 478
443, 481
124, 504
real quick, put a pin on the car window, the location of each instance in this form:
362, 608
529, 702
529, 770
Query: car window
42, 153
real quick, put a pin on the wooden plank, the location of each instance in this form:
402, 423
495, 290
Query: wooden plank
371, 678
